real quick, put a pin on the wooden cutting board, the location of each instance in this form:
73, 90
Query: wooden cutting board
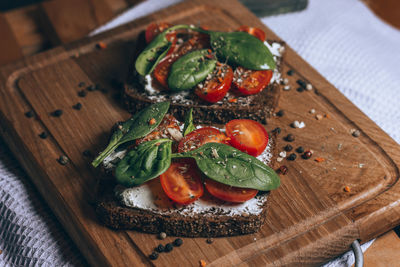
311, 217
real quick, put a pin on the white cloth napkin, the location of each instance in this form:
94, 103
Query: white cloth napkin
342, 39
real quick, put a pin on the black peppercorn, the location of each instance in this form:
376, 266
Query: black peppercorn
81, 84
57, 113
77, 106
280, 113
168, 247
153, 255
63, 160
288, 148
307, 154
301, 83
91, 88
209, 240
160, 248
300, 149
277, 130
43, 135
29, 114
289, 138
82, 93
178, 242
300, 89
292, 157
290, 72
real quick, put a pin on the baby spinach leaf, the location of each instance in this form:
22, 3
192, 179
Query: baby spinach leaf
155, 51
188, 126
190, 70
145, 162
230, 166
242, 49
136, 127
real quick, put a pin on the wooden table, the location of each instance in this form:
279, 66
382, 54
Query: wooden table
32, 29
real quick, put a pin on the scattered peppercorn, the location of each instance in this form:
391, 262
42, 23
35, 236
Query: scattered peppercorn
63, 160
300, 149
91, 88
57, 113
160, 248
209, 240
280, 113
290, 72
292, 157
29, 114
301, 83
277, 130
289, 138
300, 89
153, 255
168, 247
162, 235
283, 169
87, 153
81, 84
307, 154
82, 93
347, 188
43, 135
288, 148
178, 242
77, 106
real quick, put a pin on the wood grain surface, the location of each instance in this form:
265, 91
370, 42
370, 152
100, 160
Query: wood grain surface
311, 218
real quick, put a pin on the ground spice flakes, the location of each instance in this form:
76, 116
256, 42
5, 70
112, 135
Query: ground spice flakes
347, 188
203, 263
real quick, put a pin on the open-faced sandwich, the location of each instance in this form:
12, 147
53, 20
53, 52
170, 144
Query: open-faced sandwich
185, 180
221, 75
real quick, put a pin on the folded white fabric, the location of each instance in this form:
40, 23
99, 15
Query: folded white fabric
342, 39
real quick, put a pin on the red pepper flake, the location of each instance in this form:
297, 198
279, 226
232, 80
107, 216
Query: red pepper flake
319, 160
327, 116
209, 51
210, 56
152, 121
347, 188
283, 169
203, 263
232, 100
101, 45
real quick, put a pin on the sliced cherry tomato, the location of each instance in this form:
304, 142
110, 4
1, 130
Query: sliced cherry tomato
215, 88
182, 182
256, 32
200, 137
250, 82
247, 135
229, 193
155, 29
162, 69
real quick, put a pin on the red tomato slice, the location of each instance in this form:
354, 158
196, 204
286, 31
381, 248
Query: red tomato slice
229, 193
200, 137
182, 182
256, 32
155, 29
250, 82
214, 89
247, 135
162, 69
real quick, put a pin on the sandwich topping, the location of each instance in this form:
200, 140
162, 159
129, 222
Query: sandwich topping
216, 66
185, 161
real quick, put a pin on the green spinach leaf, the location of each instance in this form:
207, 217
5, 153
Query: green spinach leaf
145, 162
190, 70
188, 126
242, 49
155, 51
230, 166
136, 127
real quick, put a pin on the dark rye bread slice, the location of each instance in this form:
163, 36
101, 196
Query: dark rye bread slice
257, 107
180, 222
